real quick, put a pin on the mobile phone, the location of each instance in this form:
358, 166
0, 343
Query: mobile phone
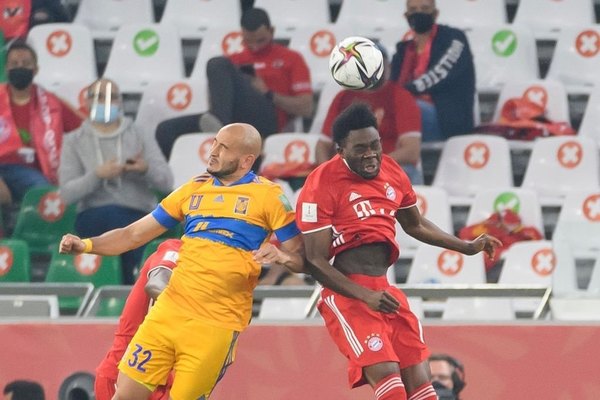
248, 69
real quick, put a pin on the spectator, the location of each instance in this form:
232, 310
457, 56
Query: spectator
447, 376
264, 86
19, 16
110, 168
436, 65
398, 120
33, 122
23, 390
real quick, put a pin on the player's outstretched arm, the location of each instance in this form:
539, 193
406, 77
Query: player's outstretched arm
290, 255
426, 231
116, 241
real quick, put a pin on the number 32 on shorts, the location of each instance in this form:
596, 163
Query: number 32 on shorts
139, 358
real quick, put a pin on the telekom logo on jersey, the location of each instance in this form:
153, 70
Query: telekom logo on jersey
364, 210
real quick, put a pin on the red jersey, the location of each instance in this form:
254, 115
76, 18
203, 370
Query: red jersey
283, 70
137, 306
396, 110
358, 210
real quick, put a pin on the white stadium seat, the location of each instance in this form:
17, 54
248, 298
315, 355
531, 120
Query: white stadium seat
578, 223
367, 17
436, 265
288, 151
467, 14
193, 18
548, 17
288, 15
590, 124
104, 18
328, 93
478, 309
192, 150
216, 41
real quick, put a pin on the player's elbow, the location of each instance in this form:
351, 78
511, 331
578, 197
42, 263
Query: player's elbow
153, 290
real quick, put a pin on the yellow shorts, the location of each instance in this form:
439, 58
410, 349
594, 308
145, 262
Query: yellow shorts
198, 353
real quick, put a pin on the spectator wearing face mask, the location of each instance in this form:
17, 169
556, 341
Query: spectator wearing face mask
110, 168
436, 66
32, 124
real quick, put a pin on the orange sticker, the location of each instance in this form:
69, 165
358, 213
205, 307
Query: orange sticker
204, 150
450, 262
536, 94
569, 154
477, 155
587, 43
6, 260
232, 43
296, 151
543, 262
179, 96
87, 264
591, 207
51, 207
322, 42
59, 43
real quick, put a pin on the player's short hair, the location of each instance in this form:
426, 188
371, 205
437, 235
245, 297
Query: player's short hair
24, 390
254, 18
357, 116
21, 44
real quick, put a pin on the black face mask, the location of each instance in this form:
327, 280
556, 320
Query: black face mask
421, 22
20, 78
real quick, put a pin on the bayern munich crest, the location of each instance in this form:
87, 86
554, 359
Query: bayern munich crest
374, 342
390, 193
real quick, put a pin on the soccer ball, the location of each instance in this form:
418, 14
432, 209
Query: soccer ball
356, 63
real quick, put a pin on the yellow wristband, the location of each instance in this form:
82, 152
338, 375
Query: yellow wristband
88, 245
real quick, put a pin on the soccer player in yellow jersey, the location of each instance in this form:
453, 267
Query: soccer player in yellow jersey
228, 216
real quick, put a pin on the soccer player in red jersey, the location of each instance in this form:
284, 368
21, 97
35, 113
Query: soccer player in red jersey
348, 209
154, 276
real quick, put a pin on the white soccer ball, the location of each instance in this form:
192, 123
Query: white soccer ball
356, 63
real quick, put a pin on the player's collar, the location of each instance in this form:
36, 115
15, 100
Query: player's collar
249, 177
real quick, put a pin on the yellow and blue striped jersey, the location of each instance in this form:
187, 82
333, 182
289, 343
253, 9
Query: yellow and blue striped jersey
216, 272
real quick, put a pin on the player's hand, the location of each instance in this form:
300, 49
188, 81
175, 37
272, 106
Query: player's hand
110, 169
382, 301
259, 85
268, 254
137, 164
486, 243
71, 244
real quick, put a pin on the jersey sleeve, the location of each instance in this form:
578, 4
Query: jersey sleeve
300, 75
280, 214
315, 205
166, 255
170, 211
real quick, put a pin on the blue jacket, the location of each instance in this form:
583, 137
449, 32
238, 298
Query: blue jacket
449, 80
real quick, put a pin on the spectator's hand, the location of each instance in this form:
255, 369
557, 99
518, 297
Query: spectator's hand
137, 164
268, 254
109, 170
382, 301
259, 84
486, 243
71, 244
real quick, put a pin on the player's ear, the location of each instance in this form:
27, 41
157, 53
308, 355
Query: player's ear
247, 161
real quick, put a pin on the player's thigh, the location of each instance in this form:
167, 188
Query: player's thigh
150, 355
104, 388
203, 355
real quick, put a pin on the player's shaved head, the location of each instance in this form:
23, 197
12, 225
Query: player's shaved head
249, 138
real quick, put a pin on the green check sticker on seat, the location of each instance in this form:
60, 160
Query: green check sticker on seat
507, 201
504, 43
145, 43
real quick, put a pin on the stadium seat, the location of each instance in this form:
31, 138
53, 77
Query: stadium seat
467, 14
328, 93
98, 270
15, 265
593, 289
111, 307
170, 99
289, 308
433, 204
193, 18
43, 219
478, 309
193, 150
578, 223
502, 53
65, 53
548, 17
216, 41
289, 155
470, 163
590, 124
416, 306
575, 309
576, 59
547, 93
561, 164
142, 54
368, 17
74, 92
436, 265
522, 201
105, 17
288, 15
564, 278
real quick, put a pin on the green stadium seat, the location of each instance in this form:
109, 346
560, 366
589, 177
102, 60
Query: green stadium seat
99, 270
43, 219
112, 307
149, 249
14, 261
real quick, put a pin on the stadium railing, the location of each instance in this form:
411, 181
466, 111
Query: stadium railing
82, 290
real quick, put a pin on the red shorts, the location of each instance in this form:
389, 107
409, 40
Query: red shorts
368, 337
105, 389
